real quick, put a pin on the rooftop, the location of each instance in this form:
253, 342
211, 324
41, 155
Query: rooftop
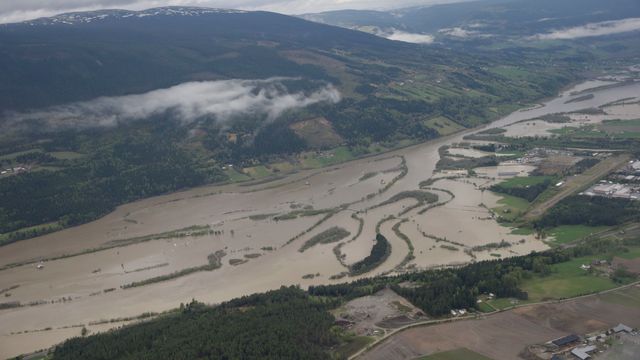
566, 340
583, 352
621, 327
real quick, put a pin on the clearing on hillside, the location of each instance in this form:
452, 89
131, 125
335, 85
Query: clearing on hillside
317, 132
373, 314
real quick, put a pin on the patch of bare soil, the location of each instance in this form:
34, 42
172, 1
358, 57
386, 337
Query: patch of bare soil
317, 132
631, 265
370, 315
554, 165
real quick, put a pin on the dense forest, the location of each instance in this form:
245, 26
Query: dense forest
379, 253
133, 164
436, 292
592, 211
528, 192
281, 324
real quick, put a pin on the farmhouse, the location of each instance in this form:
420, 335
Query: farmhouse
599, 262
582, 353
621, 328
567, 340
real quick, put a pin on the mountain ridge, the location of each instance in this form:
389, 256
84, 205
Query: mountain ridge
113, 52
495, 18
83, 17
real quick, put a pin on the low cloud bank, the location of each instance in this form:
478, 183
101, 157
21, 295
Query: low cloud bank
593, 29
185, 102
415, 38
457, 32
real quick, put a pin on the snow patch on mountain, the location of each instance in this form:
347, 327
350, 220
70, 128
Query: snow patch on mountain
76, 18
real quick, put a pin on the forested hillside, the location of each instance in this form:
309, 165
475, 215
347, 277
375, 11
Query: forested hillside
53, 61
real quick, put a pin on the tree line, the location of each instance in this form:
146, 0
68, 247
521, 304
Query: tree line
280, 324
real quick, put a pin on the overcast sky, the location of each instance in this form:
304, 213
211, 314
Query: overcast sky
19, 10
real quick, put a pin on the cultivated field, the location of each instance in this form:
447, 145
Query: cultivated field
504, 335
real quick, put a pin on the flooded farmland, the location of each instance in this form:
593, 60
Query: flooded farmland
84, 275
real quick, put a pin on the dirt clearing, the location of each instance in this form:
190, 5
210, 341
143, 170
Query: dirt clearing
371, 315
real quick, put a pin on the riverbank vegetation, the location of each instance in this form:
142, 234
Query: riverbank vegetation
328, 236
214, 261
379, 253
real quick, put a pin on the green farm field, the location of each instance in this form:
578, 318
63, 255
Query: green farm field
569, 233
567, 280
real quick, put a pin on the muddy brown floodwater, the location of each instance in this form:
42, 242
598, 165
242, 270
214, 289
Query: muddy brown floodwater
86, 289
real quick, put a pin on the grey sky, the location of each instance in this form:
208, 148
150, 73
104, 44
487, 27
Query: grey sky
19, 10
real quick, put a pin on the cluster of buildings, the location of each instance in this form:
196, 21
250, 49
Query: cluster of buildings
614, 190
574, 347
624, 184
459, 312
536, 155
13, 170
631, 171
